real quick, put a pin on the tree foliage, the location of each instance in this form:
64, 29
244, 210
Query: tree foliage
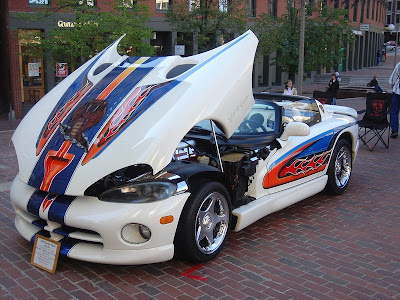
211, 22
326, 32
94, 30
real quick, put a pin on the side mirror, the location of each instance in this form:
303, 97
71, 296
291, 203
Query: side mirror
295, 129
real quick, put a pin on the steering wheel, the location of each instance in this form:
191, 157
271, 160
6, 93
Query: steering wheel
251, 124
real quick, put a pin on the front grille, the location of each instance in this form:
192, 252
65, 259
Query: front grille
78, 234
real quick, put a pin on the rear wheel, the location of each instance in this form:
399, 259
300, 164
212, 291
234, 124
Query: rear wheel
339, 170
204, 224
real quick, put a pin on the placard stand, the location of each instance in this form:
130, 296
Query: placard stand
45, 253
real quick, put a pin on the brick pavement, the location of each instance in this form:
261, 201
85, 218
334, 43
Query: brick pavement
325, 247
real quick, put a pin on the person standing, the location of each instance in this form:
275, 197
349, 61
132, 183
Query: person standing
394, 81
378, 56
333, 88
289, 88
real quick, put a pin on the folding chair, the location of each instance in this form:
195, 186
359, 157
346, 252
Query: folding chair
323, 97
374, 123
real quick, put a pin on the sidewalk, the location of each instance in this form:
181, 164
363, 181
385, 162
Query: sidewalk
382, 71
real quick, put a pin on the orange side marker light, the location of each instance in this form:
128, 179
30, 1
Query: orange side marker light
166, 220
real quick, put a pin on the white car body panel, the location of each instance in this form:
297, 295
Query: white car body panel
252, 212
341, 110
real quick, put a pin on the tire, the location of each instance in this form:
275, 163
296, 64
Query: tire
339, 170
204, 223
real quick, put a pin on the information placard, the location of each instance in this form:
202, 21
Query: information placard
179, 49
45, 253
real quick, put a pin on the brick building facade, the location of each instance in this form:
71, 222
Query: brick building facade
22, 90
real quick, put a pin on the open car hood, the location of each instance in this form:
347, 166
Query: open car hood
116, 111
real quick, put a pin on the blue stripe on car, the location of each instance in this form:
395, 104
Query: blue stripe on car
35, 201
57, 209
66, 245
322, 142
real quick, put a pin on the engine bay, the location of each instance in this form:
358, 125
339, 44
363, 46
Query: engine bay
237, 163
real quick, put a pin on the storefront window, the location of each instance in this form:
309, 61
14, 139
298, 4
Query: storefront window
31, 66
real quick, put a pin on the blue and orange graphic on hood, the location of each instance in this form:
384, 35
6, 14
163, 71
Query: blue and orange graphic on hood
71, 133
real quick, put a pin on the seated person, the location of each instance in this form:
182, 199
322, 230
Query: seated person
374, 84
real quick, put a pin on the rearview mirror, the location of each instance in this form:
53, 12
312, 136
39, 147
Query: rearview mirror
295, 129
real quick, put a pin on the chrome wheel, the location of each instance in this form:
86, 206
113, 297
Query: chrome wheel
204, 224
211, 225
342, 167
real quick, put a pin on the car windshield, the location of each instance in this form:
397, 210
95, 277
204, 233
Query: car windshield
262, 118
304, 110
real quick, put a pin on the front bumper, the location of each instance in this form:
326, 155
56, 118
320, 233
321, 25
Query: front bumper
90, 230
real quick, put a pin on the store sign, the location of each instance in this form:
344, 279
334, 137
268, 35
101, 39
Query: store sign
39, 2
179, 49
33, 69
364, 27
61, 69
66, 24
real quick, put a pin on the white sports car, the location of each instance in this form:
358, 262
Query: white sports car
132, 160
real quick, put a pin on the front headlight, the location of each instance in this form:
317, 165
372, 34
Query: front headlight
140, 192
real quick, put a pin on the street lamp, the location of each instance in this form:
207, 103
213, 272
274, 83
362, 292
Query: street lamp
391, 28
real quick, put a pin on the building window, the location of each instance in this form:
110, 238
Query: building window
31, 66
355, 11
368, 7
162, 4
362, 11
336, 4
194, 4
39, 2
251, 8
128, 3
388, 19
223, 5
272, 8
309, 7
373, 9
397, 18
389, 5
88, 2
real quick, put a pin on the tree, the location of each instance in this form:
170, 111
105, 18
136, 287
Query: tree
326, 31
93, 30
211, 22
